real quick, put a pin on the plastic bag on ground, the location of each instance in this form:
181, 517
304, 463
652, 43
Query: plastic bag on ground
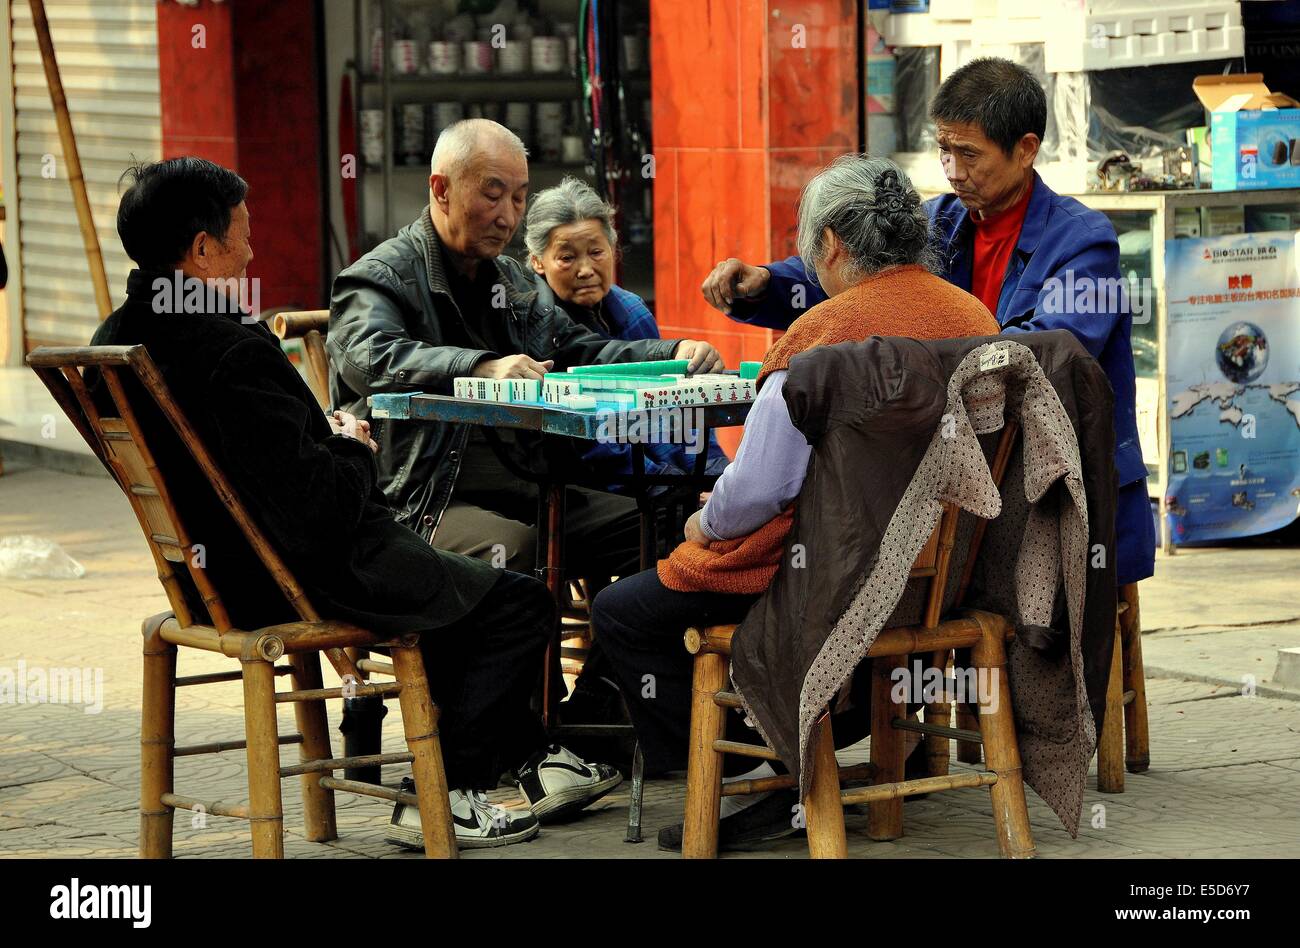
28, 557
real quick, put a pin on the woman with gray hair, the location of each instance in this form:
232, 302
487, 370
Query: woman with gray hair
572, 248
862, 227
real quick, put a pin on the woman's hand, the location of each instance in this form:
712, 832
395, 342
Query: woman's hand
694, 532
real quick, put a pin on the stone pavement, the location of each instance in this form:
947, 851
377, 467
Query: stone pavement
1224, 779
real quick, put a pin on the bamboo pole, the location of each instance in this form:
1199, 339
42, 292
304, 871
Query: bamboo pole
704, 763
68, 141
1001, 749
823, 812
1110, 742
420, 722
1137, 741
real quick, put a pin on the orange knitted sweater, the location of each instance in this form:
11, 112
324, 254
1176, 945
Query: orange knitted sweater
904, 301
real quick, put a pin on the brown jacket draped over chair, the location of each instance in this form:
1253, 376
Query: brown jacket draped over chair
897, 427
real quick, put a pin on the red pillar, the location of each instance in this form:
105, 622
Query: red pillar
239, 86
750, 99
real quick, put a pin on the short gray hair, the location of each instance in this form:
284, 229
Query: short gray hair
458, 142
871, 206
568, 202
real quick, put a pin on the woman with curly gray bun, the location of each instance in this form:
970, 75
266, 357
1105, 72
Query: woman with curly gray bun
864, 232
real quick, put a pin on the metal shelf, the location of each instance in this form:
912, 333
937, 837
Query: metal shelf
487, 87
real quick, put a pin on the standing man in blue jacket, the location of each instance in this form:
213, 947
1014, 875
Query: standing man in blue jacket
1038, 260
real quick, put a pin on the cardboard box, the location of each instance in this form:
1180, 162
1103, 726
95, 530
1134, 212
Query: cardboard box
1254, 133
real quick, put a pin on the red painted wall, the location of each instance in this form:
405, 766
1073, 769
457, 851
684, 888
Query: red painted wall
750, 98
247, 98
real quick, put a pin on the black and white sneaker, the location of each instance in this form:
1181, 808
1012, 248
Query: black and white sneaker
557, 783
478, 823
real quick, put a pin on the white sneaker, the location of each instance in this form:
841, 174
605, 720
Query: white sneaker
478, 823
557, 783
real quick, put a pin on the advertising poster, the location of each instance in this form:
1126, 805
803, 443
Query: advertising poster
1233, 385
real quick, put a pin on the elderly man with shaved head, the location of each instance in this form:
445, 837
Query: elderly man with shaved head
440, 300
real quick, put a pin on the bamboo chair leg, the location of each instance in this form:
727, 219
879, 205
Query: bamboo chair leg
704, 764
265, 808
823, 811
968, 752
1137, 740
313, 725
998, 728
1110, 746
157, 742
356, 654
420, 722
885, 817
936, 747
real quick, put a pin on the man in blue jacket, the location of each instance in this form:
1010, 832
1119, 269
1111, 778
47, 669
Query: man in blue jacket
1038, 260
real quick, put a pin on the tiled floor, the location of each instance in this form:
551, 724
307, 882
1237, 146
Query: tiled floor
1224, 780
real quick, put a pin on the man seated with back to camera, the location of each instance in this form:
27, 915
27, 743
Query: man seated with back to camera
310, 483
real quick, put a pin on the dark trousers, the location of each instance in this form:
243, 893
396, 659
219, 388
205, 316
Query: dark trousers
640, 624
497, 522
602, 532
482, 672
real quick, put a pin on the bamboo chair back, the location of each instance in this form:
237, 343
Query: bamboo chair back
935, 559
119, 442
310, 326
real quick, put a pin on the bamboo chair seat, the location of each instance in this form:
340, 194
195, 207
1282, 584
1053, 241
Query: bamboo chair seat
120, 443
984, 634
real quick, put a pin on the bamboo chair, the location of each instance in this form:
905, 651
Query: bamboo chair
310, 326
1124, 741
983, 633
120, 444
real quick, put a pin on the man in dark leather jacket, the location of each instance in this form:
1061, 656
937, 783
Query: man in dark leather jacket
439, 301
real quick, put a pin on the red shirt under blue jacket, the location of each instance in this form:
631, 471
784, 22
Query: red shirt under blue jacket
1061, 244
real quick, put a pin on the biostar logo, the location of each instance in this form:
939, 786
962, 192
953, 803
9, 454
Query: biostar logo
1237, 254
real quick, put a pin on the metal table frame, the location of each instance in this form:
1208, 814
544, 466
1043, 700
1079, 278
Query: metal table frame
587, 426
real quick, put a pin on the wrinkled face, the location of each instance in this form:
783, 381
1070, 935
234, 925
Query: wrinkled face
982, 175
213, 258
477, 211
578, 263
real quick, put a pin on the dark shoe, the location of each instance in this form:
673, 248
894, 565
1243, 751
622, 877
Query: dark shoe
557, 783
773, 818
478, 824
